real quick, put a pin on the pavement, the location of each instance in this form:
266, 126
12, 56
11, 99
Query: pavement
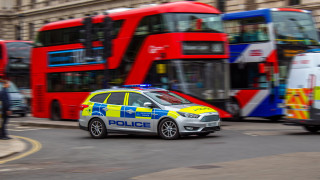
269, 168
11, 147
16, 145
291, 166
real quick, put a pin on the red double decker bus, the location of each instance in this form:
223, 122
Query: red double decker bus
178, 46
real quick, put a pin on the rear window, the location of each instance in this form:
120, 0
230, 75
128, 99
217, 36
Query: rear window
99, 97
116, 98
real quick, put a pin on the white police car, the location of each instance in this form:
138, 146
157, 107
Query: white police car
145, 110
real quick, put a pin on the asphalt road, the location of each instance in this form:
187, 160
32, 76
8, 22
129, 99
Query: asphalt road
72, 154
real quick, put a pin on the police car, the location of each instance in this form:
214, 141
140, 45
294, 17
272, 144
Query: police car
145, 110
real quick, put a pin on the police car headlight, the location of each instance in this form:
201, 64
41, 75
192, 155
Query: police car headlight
188, 115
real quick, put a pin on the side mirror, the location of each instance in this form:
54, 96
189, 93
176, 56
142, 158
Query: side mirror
147, 104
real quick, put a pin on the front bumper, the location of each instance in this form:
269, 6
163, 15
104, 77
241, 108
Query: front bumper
302, 122
188, 128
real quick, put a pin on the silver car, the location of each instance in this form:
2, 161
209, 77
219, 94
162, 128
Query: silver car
148, 110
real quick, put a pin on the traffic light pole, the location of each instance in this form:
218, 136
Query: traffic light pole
107, 46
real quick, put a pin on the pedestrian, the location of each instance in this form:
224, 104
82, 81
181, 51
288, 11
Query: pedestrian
5, 100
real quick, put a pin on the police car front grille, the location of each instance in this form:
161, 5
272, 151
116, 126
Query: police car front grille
210, 118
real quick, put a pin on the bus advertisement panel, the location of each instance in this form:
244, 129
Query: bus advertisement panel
178, 46
262, 44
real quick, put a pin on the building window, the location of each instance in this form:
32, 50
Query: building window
294, 2
18, 4
18, 32
221, 4
32, 3
31, 31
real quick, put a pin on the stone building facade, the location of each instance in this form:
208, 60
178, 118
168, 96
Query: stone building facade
20, 19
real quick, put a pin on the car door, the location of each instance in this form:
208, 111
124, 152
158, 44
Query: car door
139, 117
96, 101
114, 111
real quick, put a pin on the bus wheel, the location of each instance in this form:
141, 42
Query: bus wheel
168, 129
234, 109
55, 111
312, 129
97, 129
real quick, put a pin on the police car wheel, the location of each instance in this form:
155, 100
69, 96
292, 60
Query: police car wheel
97, 129
168, 129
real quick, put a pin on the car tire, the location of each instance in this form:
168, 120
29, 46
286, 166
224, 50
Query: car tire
97, 129
312, 129
203, 134
55, 111
168, 129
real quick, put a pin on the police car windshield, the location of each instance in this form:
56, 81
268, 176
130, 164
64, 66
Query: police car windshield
167, 98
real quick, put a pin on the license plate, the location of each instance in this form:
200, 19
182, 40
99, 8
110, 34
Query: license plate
211, 124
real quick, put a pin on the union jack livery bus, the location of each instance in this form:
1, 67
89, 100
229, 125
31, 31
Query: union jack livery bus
262, 44
178, 46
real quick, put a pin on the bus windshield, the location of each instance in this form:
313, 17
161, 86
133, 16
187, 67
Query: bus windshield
19, 55
294, 28
193, 22
204, 79
196, 78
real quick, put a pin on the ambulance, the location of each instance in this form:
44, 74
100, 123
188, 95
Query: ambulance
303, 91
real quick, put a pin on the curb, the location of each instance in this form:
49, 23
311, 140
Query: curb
36, 124
16, 147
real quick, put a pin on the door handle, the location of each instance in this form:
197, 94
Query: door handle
129, 111
105, 109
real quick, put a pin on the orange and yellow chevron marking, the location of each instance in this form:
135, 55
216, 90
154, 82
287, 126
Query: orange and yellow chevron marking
297, 100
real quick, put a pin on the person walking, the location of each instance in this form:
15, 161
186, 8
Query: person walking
5, 100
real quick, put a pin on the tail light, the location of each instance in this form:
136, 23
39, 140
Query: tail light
83, 106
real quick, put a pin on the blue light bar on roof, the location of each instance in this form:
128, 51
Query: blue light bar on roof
137, 85
313, 50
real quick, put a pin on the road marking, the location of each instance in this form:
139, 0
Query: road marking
17, 128
36, 146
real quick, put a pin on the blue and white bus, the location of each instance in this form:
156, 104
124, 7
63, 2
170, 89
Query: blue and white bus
262, 44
